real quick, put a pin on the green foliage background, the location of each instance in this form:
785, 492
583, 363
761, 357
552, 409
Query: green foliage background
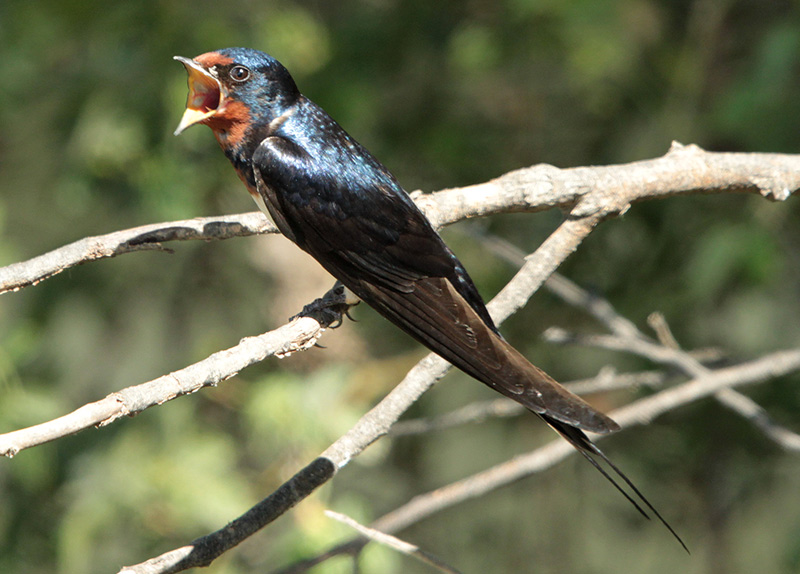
446, 94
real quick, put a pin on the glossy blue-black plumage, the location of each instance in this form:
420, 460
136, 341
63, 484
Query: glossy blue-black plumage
340, 181
329, 195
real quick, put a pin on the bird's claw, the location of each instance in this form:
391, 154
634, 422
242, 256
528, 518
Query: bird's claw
329, 309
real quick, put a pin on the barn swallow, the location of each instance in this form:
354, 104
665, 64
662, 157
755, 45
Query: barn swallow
330, 196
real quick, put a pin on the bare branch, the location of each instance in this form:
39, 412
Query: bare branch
298, 335
204, 550
585, 191
499, 408
147, 237
718, 383
609, 380
610, 190
628, 338
596, 306
641, 346
754, 413
759, 370
658, 323
639, 412
393, 542
369, 428
477, 412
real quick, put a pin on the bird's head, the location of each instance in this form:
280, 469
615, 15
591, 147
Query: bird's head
234, 89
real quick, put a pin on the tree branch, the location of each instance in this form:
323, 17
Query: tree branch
707, 382
640, 412
498, 408
297, 335
603, 191
393, 542
628, 338
147, 237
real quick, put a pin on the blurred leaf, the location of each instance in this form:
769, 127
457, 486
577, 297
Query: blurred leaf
729, 255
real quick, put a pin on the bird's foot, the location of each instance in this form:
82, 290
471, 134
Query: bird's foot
330, 309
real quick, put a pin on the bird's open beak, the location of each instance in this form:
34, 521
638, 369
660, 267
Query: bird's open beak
206, 94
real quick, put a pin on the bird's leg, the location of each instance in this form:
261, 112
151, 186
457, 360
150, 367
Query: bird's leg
330, 308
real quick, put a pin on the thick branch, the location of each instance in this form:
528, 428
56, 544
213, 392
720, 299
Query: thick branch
300, 334
610, 190
147, 237
584, 191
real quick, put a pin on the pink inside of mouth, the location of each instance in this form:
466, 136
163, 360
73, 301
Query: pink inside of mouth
204, 96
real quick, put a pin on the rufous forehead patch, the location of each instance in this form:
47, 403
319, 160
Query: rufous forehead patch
210, 59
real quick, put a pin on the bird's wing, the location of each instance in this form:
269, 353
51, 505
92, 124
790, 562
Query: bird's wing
372, 238
362, 227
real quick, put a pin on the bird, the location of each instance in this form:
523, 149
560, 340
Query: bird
329, 195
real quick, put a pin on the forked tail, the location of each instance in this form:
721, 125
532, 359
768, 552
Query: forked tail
590, 451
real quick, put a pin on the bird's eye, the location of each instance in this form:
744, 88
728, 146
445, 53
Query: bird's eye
239, 74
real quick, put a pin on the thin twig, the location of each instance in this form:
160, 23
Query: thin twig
393, 542
668, 351
755, 414
658, 323
472, 413
640, 412
500, 408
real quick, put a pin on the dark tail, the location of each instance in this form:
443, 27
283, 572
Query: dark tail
591, 453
